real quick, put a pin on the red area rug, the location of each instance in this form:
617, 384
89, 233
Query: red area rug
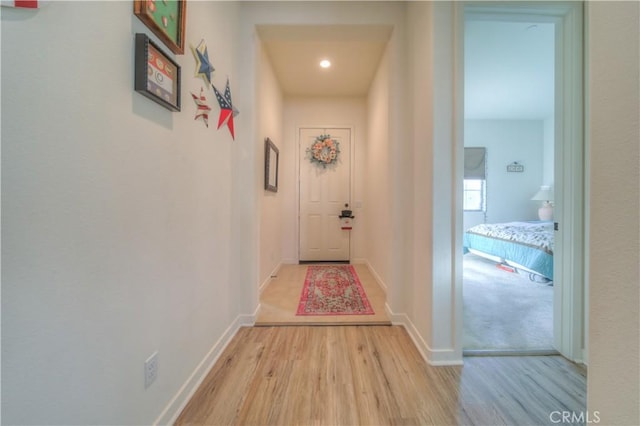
333, 290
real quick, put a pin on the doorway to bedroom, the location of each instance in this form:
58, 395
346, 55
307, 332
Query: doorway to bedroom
509, 164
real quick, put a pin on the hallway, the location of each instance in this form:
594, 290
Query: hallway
135, 238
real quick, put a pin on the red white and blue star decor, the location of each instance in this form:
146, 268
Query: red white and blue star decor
227, 111
204, 68
202, 107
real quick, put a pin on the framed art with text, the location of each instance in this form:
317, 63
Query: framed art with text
167, 20
156, 75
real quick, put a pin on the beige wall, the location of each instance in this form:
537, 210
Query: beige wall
420, 46
270, 122
614, 132
378, 226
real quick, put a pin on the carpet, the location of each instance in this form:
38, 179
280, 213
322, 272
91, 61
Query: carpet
504, 310
333, 290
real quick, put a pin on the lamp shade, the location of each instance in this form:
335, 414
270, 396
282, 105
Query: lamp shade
545, 194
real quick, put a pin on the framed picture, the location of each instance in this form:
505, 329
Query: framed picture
156, 75
167, 20
271, 154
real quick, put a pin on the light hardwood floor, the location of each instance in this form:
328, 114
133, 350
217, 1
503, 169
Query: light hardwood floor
374, 375
279, 300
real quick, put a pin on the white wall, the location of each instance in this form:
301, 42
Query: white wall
548, 153
420, 81
270, 111
614, 131
445, 346
117, 216
389, 173
508, 194
324, 111
432, 288
378, 186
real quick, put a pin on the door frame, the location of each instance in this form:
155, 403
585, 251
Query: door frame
351, 177
569, 160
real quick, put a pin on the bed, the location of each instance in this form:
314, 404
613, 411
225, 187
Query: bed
527, 246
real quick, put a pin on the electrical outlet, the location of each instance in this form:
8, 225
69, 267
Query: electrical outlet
151, 369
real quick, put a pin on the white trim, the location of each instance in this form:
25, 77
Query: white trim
396, 319
245, 320
379, 280
458, 180
570, 156
431, 356
271, 276
170, 414
441, 357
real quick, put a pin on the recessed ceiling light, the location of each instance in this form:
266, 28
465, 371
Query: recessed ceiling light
325, 63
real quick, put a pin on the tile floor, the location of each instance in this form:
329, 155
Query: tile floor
279, 300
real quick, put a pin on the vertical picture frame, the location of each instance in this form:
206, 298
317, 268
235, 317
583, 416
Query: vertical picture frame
271, 158
166, 19
157, 76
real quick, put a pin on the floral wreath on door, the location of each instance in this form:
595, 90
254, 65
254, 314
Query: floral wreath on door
324, 151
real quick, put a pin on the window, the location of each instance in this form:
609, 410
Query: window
474, 195
475, 183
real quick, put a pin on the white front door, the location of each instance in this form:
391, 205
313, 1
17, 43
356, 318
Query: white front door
324, 192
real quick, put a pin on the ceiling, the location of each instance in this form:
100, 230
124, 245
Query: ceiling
509, 70
509, 66
295, 52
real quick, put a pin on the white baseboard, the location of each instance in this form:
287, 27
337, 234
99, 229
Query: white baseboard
396, 319
379, 280
266, 282
585, 359
431, 356
248, 320
438, 357
173, 409
445, 357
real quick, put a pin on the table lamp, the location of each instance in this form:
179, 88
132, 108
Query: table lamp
546, 196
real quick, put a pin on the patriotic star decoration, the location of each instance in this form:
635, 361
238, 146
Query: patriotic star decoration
227, 110
202, 107
204, 68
